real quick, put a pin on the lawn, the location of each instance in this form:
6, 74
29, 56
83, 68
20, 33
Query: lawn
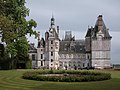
11, 80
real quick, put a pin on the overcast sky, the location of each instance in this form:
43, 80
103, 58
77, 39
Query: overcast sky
75, 16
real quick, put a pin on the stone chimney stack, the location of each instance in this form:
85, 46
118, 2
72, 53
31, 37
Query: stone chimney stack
46, 36
58, 30
100, 23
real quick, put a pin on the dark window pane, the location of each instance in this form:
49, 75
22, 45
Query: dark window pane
51, 53
51, 60
33, 56
51, 42
41, 56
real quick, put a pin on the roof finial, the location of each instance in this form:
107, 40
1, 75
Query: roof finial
52, 20
88, 27
52, 15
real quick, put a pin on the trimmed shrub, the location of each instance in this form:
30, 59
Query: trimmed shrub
28, 64
66, 76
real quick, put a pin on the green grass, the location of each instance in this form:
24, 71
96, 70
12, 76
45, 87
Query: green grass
11, 80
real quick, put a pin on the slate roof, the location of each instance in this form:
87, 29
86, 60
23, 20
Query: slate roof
88, 32
32, 48
93, 31
77, 46
41, 43
104, 29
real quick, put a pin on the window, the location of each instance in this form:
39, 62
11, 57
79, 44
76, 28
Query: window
41, 63
41, 49
51, 53
33, 56
56, 43
83, 65
88, 64
69, 55
80, 49
88, 57
99, 37
51, 47
41, 56
64, 56
65, 48
51, 42
51, 60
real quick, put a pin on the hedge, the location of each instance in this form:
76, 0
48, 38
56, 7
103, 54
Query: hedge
67, 76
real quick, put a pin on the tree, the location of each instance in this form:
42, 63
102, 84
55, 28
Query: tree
14, 27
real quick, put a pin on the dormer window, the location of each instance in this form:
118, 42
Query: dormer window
99, 37
80, 49
65, 49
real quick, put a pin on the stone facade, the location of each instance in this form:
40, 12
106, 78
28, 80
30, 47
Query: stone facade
100, 44
53, 53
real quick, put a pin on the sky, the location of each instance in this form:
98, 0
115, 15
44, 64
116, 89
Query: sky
76, 16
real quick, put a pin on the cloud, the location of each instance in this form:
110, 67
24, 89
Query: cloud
74, 14
115, 50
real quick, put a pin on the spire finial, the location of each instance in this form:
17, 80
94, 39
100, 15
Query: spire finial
52, 20
52, 15
38, 36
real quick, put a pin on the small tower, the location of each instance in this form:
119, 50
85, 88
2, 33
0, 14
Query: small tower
100, 44
53, 46
40, 52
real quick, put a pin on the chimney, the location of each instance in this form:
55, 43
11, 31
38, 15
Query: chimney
46, 35
58, 30
100, 23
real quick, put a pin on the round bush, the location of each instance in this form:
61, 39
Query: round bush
66, 76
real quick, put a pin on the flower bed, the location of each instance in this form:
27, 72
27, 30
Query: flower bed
67, 76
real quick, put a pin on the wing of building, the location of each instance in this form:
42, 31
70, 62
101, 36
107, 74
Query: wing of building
69, 53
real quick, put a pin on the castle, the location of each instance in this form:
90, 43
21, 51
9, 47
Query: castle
69, 53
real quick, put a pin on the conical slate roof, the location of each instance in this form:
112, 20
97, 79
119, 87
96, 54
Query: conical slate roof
100, 25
